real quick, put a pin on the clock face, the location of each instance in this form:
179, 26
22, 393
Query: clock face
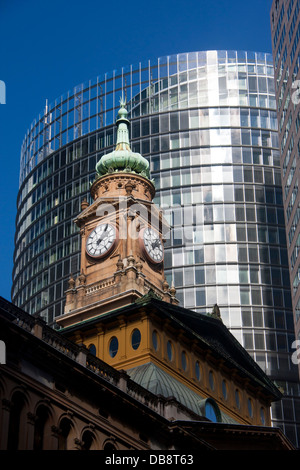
153, 245
101, 240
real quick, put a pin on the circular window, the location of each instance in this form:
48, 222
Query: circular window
224, 389
197, 370
113, 346
250, 408
170, 350
136, 339
262, 416
211, 380
237, 399
183, 360
155, 340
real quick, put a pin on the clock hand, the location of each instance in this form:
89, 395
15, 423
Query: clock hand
103, 235
155, 244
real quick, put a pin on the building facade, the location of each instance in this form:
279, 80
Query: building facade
86, 404
285, 27
206, 122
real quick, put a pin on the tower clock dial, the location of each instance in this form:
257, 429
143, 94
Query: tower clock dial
101, 240
152, 245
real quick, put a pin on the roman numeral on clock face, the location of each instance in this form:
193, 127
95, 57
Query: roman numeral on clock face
101, 240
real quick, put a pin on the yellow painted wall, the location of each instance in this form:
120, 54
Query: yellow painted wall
127, 358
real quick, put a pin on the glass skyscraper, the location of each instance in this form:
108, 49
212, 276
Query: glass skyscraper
206, 121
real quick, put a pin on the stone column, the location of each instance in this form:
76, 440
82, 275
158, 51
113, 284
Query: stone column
122, 342
54, 438
30, 431
100, 342
6, 406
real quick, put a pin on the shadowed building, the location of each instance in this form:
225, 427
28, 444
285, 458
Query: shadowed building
56, 395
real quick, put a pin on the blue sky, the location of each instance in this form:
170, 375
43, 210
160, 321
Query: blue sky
48, 47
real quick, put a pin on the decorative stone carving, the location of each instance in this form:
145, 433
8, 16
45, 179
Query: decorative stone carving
84, 204
216, 312
82, 278
165, 285
172, 290
71, 282
120, 264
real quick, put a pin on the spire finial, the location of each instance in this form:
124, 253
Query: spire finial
122, 158
122, 113
122, 101
123, 124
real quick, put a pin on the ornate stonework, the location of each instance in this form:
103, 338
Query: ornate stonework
113, 185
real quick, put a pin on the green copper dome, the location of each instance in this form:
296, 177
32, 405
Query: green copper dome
122, 158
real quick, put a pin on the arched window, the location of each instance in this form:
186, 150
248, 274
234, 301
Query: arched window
17, 405
92, 349
87, 440
42, 416
109, 447
65, 428
210, 410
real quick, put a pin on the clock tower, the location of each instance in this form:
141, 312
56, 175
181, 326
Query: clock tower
122, 237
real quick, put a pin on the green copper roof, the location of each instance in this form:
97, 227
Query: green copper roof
122, 158
159, 382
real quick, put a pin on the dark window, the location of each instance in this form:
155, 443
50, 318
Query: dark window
145, 127
241, 234
155, 340
92, 349
170, 350
174, 122
87, 440
42, 415
109, 447
239, 195
154, 125
17, 405
65, 428
240, 214
183, 360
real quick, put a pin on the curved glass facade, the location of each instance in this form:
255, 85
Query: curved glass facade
206, 121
